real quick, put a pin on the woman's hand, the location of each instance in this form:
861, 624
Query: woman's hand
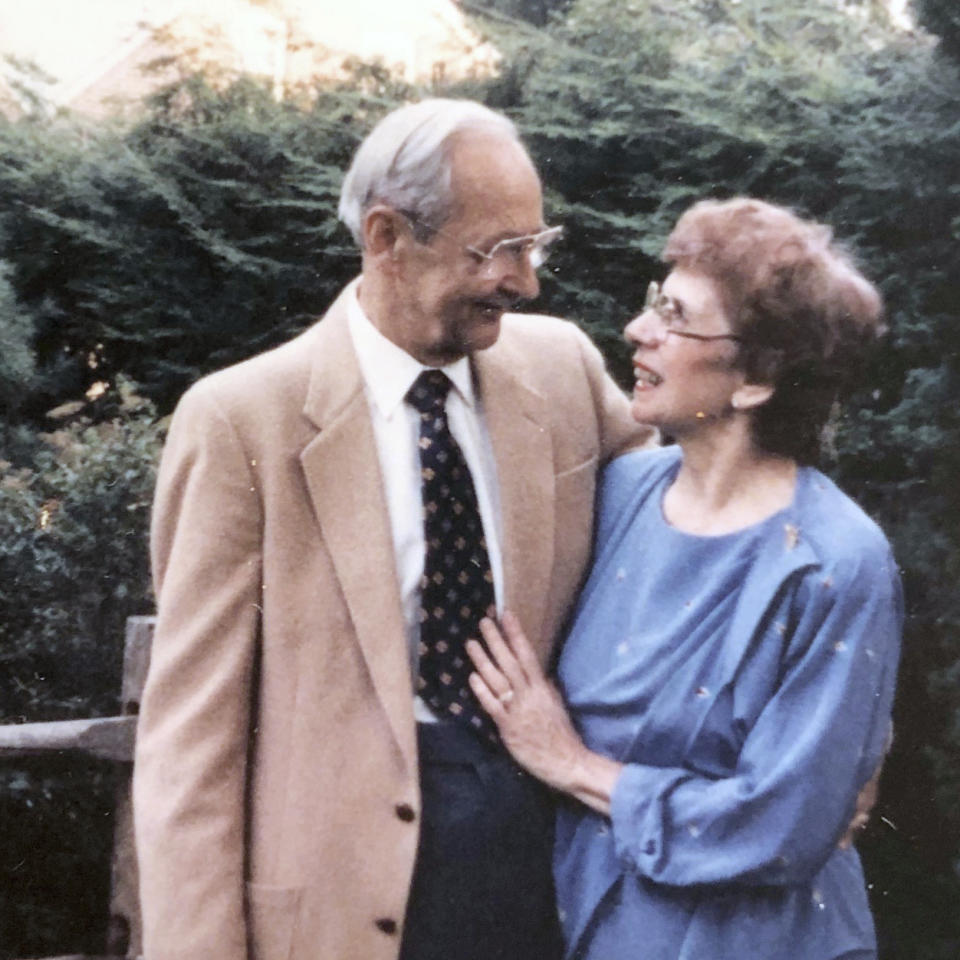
866, 801
533, 722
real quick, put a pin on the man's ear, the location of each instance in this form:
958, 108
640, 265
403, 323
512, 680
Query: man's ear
749, 396
385, 234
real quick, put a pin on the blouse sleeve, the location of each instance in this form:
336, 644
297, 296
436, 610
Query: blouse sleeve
817, 740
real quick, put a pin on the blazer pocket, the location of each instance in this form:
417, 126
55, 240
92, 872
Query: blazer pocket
272, 914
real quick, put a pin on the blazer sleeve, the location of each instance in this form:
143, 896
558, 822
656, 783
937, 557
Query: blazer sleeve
618, 431
779, 815
193, 733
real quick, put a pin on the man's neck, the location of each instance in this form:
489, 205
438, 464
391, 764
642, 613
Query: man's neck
372, 299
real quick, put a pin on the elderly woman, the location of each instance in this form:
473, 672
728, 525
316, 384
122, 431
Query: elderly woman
729, 674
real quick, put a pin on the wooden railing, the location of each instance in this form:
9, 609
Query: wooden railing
109, 738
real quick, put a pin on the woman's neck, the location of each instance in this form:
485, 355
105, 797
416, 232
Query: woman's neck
726, 484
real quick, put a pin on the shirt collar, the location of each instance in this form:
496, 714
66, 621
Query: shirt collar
388, 371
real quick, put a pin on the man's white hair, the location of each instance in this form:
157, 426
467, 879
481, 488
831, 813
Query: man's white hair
404, 161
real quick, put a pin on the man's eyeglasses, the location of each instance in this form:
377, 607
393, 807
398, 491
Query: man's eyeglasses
535, 247
671, 316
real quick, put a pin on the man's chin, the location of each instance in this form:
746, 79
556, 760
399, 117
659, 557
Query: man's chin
485, 331
479, 332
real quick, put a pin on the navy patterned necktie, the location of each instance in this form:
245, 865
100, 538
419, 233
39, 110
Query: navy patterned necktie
457, 583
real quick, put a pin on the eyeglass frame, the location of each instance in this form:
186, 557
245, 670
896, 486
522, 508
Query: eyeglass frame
535, 246
660, 302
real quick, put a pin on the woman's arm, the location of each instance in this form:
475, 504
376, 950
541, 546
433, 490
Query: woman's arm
782, 811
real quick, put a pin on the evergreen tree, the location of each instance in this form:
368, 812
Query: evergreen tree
941, 17
16, 345
202, 235
208, 232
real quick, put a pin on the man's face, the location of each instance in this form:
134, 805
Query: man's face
448, 300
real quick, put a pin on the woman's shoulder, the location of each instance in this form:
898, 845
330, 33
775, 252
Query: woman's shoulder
631, 475
851, 594
640, 466
628, 479
844, 538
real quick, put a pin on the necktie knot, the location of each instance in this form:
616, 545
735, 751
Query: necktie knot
429, 391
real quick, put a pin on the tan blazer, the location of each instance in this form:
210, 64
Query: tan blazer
275, 788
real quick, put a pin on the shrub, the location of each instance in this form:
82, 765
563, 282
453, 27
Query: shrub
73, 561
73, 566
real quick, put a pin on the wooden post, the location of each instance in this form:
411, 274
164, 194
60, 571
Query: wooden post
109, 738
124, 933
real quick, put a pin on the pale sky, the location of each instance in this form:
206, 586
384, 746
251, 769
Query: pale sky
75, 40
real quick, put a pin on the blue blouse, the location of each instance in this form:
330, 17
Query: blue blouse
746, 681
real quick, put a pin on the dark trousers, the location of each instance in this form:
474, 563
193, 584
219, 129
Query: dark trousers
482, 885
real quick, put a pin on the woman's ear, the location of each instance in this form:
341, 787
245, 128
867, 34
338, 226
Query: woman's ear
749, 396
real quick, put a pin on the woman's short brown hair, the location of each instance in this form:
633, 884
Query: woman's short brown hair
805, 312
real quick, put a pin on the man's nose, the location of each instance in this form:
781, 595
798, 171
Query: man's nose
519, 277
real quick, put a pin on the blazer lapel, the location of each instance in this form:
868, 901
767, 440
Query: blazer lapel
343, 476
523, 450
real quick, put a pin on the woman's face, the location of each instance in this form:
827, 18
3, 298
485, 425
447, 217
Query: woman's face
684, 353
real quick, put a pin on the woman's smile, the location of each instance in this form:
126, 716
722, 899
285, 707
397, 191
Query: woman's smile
646, 377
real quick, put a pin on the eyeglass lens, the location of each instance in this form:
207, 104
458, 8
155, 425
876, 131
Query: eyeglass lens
536, 247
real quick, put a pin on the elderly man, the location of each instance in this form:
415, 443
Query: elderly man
313, 777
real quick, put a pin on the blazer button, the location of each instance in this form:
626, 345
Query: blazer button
405, 812
387, 925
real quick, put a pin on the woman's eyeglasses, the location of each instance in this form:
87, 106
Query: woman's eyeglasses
671, 316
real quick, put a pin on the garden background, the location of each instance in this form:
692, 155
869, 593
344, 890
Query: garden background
137, 256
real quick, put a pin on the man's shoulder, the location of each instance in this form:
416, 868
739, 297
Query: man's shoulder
283, 372
530, 339
287, 362
557, 360
537, 328
272, 380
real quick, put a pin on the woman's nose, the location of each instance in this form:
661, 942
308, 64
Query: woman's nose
644, 329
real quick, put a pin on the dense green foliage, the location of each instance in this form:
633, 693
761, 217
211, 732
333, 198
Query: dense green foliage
208, 232
73, 567
537, 12
72, 562
182, 244
16, 337
941, 17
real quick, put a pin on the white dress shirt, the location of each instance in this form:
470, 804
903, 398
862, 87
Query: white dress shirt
388, 373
